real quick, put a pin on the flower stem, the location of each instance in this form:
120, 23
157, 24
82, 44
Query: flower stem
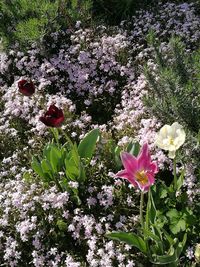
174, 172
147, 213
55, 135
59, 187
141, 209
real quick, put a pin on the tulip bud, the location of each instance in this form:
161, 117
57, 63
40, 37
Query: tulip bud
54, 117
26, 87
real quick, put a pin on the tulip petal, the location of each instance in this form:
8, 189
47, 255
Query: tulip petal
144, 158
129, 162
151, 179
153, 167
124, 174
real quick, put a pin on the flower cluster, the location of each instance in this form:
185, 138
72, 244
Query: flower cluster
42, 216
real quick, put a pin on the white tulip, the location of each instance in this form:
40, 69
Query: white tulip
171, 138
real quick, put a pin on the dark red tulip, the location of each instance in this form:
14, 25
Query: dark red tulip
53, 117
26, 87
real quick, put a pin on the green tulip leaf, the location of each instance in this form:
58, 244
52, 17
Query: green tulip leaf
46, 167
130, 239
87, 145
151, 209
133, 148
36, 166
180, 181
55, 156
173, 255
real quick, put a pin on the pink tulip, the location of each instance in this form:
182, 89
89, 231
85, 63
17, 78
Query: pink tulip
140, 170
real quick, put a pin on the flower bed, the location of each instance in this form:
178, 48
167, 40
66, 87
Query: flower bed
68, 115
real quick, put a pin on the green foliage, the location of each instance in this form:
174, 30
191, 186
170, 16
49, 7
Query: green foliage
157, 244
174, 93
177, 220
25, 21
67, 158
30, 30
175, 85
132, 148
130, 239
87, 145
76, 10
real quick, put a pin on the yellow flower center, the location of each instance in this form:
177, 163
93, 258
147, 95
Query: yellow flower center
171, 141
141, 177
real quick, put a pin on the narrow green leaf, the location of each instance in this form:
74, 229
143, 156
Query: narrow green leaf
55, 156
73, 154
152, 236
130, 239
174, 253
82, 176
180, 181
168, 237
46, 167
36, 166
165, 259
87, 145
151, 209
46, 151
116, 153
72, 172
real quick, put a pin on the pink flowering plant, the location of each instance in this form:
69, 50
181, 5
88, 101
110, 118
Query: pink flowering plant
152, 240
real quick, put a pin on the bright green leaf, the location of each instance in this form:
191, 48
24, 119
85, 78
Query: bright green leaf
151, 209
163, 193
55, 156
46, 167
173, 214
130, 239
87, 145
36, 166
178, 226
180, 181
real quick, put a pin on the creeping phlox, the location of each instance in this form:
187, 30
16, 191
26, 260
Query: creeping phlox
171, 138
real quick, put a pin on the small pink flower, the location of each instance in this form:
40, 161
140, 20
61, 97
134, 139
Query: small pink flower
139, 171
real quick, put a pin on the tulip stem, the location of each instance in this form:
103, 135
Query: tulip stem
59, 187
175, 176
141, 209
55, 135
